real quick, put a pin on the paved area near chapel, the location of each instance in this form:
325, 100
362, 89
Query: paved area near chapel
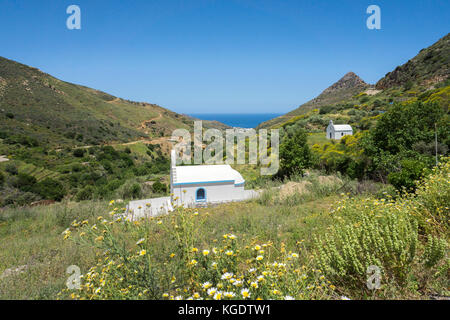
157, 206
149, 207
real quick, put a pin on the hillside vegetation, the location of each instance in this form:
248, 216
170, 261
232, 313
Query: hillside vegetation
66, 140
277, 247
421, 76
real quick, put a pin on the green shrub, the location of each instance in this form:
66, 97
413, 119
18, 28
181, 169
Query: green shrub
385, 233
364, 99
24, 182
130, 190
406, 179
295, 155
159, 187
368, 232
430, 203
86, 193
50, 189
11, 169
78, 153
435, 251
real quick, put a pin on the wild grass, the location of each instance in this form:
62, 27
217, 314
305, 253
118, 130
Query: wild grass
31, 239
33, 236
222, 251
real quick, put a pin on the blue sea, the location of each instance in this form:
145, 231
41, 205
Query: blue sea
247, 120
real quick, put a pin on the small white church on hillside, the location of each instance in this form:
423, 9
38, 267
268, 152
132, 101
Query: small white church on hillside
194, 186
337, 131
197, 185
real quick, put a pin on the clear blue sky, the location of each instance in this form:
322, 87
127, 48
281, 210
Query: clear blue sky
223, 56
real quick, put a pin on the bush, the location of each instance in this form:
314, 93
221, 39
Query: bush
364, 99
430, 203
368, 233
435, 251
406, 178
159, 187
86, 193
24, 182
50, 189
79, 153
130, 190
385, 233
11, 169
295, 155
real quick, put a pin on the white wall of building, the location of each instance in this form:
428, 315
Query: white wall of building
215, 192
334, 131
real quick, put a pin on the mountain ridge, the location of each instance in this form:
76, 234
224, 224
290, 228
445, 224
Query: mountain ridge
36, 104
428, 68
344, 88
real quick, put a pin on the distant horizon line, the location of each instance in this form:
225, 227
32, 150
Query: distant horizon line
243, 113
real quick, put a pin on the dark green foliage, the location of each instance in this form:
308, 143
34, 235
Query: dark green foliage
11, 169
411, 171
364, 99
408, 85
23, 182
326, 109
295, 155
131, 191
403, 126
26, 141
141, 170
50, 189
2, 179
86, 193
78, 153
159, 187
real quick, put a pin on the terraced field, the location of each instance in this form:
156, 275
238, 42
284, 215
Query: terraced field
38, 172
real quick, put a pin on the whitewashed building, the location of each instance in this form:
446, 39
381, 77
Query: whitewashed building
337, 131
194, 186
201, 184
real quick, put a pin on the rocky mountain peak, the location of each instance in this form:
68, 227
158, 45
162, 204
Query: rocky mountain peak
348, 81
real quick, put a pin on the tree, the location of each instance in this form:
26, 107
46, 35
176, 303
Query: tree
11, 169
406, 178
400, 134
50, 189
295, 155
85, 194
24, 182
159, 187
78, 153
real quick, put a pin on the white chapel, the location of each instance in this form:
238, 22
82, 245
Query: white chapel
337, 131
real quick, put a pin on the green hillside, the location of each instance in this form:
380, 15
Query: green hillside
39, 108
420, 78
58, 139
341, 91
430, 66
